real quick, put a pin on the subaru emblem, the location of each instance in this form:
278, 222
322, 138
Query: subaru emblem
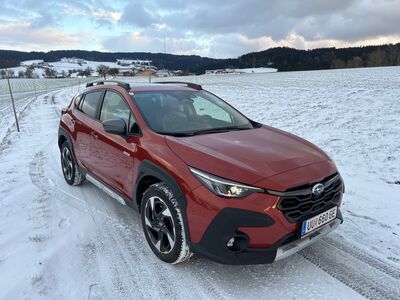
318, 189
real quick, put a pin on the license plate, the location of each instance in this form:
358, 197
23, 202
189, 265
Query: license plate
316, 222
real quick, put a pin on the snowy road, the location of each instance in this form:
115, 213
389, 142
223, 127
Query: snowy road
64, 242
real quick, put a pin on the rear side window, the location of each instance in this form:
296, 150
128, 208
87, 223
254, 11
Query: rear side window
89, 104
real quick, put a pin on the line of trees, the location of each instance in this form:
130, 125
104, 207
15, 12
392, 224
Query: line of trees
104, 70
288, 59
29, 72
281, 58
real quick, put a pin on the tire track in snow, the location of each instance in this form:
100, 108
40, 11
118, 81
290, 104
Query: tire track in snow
376, 263
359, 275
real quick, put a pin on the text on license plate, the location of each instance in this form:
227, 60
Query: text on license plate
318, 221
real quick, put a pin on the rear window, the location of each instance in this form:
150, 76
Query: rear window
89, 104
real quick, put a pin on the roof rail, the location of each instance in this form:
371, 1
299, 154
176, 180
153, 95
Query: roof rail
122, 84
188, 84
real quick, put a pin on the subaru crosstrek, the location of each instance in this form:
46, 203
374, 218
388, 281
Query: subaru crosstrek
204, 178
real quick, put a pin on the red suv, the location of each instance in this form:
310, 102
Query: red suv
204, 178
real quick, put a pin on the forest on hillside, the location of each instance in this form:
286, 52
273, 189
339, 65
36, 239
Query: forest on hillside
281, 58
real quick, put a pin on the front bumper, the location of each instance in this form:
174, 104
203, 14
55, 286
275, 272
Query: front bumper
299, 244
214, 244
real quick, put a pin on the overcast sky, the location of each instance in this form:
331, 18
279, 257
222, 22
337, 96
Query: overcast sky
207, 27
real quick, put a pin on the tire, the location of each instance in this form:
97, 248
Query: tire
68, 166
163, 224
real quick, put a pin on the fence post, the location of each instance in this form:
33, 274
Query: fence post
34, 84
13, 104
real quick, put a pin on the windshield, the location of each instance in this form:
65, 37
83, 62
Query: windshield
188, 113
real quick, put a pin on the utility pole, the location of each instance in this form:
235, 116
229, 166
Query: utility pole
165, 48
13, 104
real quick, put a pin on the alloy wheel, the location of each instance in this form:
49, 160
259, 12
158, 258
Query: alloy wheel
67, 163
160, 225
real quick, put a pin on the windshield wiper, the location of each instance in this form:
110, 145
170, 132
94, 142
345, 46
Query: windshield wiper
219, 129
205, 131
177, 134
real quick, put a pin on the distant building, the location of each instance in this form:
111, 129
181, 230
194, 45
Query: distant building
222, 71
163, 73
125, 71
124, 62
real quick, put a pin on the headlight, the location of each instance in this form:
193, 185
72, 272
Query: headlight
223, 187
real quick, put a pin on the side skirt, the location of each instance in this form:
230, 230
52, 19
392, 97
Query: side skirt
105, 189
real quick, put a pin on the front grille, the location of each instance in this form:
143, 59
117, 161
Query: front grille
300, 203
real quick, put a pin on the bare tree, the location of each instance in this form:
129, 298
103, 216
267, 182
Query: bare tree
10, 73
113, 72
3, 73
29, 72
103, 70
50, 73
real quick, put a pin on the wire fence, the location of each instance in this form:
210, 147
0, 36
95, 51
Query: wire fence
26, 90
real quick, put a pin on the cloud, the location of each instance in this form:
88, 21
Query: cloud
137, 15
13, 36
206, 27
109, 15
141, 42
272, 22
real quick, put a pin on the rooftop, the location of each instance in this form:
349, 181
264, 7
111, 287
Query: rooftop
148, 87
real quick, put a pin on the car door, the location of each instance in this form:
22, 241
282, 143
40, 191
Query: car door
114, 154
84, 115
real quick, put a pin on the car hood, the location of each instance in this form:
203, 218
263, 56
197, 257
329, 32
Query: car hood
246, 156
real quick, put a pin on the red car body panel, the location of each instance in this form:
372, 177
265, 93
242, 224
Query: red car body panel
266, 157
248, 156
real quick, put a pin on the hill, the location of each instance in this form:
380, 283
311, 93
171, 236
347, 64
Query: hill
281, 58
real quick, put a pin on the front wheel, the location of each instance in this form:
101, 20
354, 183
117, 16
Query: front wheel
163, 224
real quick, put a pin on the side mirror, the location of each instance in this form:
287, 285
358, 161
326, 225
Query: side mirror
115, 126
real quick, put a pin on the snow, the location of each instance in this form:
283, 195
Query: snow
58, 241
67, 64
24, 92
31, 62
256, 70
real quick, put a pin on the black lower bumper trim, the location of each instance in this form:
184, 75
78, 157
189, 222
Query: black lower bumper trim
213, 245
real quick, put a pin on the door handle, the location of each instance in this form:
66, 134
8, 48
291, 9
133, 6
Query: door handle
94, 135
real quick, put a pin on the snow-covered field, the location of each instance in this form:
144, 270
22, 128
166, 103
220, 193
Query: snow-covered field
24, 92
66, 65
64, 242
256, 70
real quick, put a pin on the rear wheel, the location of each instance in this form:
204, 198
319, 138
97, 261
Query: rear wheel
163, 225
69, 168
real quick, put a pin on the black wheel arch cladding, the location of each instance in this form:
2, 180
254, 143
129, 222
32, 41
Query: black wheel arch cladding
147, 168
